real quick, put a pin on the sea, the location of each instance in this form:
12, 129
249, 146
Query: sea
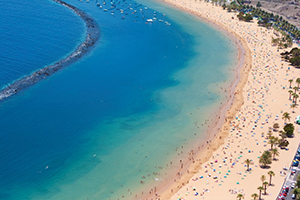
109, 125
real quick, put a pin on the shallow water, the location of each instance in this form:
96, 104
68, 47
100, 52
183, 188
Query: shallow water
116, 115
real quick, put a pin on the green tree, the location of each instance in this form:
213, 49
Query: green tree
254, 196
265, 158
262, 178
260, 188
296, 192
295, 88
291, 92
275, 126
274, 152
265, 184
240, 16
224, 6
248, 162
258, 5
298, 183
293, 106
283, 143
291, 80
289, 129
272, 141
240, 196
286, 116
271, 174
269, 134
248, 18
296, 96
298, 81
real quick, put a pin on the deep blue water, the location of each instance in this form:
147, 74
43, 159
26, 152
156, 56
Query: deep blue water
116, 103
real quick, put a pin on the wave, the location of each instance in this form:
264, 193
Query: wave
92, 35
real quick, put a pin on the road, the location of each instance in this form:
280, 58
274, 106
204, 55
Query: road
290, 179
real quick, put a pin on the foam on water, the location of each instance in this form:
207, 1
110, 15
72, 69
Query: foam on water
120, 114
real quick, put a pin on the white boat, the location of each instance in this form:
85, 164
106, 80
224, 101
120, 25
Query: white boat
149, 20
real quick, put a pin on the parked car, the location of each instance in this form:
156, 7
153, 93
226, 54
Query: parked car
293, 196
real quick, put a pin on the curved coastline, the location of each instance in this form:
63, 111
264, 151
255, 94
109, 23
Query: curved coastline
218, 130
92, 35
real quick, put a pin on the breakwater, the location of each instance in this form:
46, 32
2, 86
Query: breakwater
92, 35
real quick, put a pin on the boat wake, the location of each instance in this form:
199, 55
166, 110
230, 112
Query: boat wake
92, 35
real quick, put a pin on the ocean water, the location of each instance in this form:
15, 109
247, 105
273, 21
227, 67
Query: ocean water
96, 128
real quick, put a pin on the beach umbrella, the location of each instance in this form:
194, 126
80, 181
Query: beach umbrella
237, 182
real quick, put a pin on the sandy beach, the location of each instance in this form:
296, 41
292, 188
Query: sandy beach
259, 100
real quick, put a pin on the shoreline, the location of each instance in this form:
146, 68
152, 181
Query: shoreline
92, 36
217, 132
261, 95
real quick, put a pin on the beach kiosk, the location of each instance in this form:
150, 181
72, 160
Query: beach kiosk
297, 119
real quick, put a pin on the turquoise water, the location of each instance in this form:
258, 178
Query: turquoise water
116, 115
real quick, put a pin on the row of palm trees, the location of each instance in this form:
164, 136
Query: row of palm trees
266, 156
265, 18
263, 186
293, 93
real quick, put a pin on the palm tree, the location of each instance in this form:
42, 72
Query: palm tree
293, 106
291, 80
269, 133
294, 94
295, 88
248, 162
296, 97
283, 135
260, 188
273, 140
240, 196
275, 126
275, 152
286, 116
291, 92
265, 185
254, 196
262, 178
265, 159
271, 173
298, 81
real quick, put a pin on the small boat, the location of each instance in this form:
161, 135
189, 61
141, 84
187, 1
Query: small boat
105, 10
149, 20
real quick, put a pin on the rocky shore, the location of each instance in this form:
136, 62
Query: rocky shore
92, 35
